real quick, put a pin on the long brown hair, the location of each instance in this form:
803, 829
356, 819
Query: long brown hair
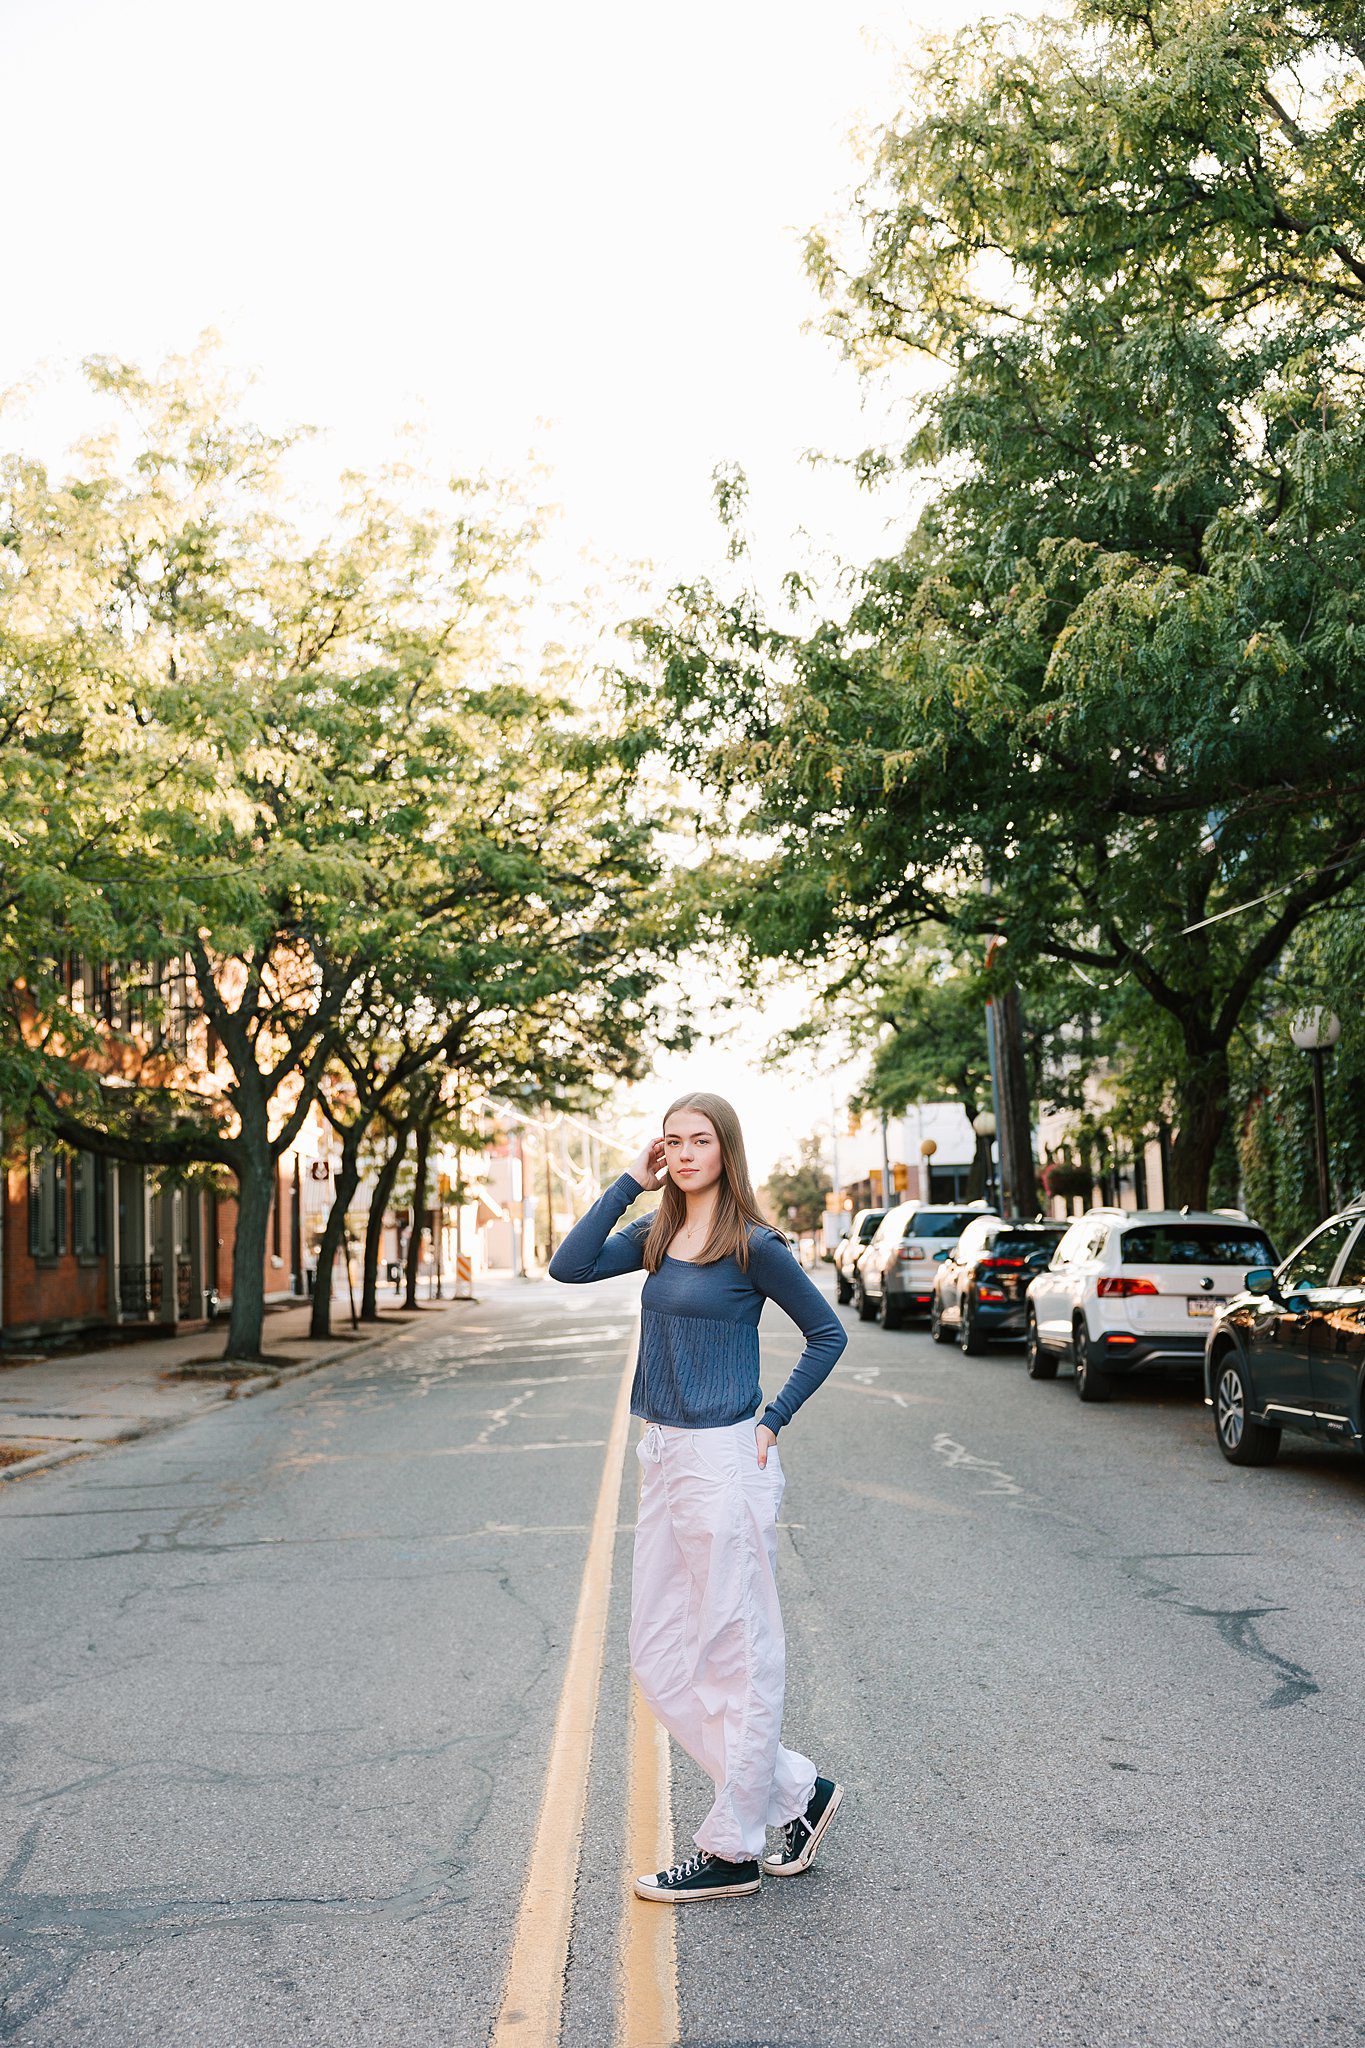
736, 1209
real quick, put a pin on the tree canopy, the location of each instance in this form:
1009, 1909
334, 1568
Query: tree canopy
1109, 699
299, 798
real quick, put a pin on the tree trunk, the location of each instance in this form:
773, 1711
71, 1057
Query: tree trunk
419, 1204
374, 1223
1019, 1193
255, 1183
347, 1181
1201, 1112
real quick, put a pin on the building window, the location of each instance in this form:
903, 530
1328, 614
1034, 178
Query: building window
90, 1192
277, 1219
47, 1181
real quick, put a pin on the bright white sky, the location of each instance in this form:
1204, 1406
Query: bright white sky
568, 228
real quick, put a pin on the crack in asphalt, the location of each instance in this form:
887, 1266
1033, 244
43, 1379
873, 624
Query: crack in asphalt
1235, 1625
51, 1935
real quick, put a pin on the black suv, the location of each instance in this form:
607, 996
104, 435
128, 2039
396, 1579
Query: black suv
980, 1287
1289, 1353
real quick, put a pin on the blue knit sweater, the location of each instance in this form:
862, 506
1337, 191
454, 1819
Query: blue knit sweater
698, 1360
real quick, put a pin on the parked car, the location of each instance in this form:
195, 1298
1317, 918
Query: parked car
895, 1275
1288, 1352
850, 1249
1133, 1288
979, 1289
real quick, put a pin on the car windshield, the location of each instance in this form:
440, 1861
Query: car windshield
947, 1224
1017, 1244
1197, 1244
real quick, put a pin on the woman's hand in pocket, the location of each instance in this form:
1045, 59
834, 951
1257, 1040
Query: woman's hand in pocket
765, 1438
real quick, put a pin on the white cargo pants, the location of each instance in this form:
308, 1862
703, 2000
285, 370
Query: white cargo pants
706, 1640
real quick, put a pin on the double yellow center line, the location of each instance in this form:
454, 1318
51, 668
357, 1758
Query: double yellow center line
531, 2012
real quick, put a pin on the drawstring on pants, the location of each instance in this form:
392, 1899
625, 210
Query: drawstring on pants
653, 1441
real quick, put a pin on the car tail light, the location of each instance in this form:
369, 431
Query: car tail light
1001, 1265
912, 1251
991, 1293
1124, 1286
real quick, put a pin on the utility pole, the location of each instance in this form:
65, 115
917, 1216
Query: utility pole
519, 1232
549, 1191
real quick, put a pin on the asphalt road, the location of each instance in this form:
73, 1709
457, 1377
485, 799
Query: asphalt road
280, 1687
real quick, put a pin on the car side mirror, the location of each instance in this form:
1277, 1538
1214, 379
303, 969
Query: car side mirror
1260, 1280
1040, 1259
939, 1257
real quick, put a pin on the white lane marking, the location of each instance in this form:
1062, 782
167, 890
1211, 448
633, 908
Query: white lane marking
878, 1393
954, 1453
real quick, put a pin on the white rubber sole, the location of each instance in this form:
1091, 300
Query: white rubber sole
807, 1856
645, 1888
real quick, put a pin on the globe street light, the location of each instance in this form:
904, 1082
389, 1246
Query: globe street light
1315, 1032
983, 1123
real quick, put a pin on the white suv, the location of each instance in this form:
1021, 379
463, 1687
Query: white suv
894, 1277
1137, 1287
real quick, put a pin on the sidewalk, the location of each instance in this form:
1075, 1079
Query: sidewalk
52, 1409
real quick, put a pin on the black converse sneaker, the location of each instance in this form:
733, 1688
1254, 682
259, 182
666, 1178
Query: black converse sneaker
801, 1837
703, 1876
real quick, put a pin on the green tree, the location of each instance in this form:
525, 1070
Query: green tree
795, 1192
289, 772
1276, 1146
1109, 700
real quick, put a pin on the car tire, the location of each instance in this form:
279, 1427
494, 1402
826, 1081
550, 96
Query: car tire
1242, 1441
938, 1329
1042, 1364
1092, 1383
866, 1309
843, 1293
970, 1341
888, 1311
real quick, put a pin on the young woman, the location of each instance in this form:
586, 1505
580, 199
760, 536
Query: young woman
706, 1641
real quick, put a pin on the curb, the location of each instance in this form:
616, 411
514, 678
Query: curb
235, 1390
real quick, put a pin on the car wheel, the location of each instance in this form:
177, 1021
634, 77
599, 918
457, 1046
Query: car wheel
1091, 1383
843, 1293
937, 1329
970, 1341
866, 1309
888, 1311
1242, 1441
1042, 1365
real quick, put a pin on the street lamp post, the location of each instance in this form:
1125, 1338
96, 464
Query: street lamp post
1315, 1032
983, 1123
927, 1149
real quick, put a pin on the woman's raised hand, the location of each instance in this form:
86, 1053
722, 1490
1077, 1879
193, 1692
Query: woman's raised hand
648, 1168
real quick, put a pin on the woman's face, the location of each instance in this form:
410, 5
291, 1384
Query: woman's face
691, 1150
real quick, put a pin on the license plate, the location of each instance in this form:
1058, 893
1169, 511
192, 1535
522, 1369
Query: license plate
1204, 1304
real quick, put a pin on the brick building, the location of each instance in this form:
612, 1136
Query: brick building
91, 1245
